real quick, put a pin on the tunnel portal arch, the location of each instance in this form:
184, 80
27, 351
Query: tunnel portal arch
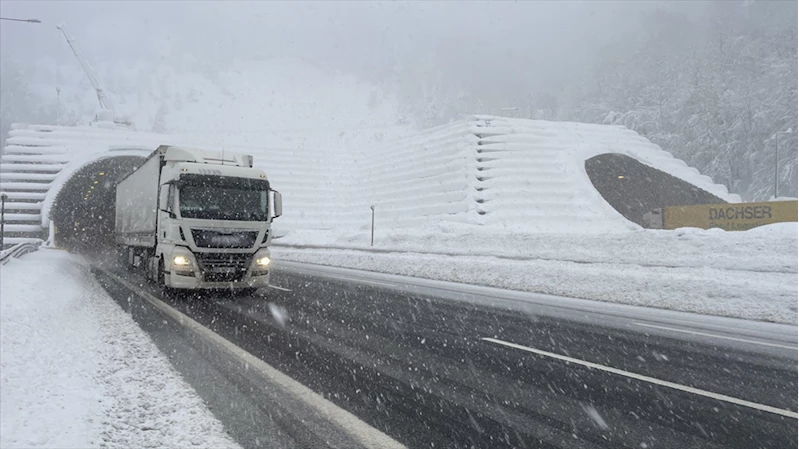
83, 209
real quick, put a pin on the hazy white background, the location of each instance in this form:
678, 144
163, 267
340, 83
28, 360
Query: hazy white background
710, 81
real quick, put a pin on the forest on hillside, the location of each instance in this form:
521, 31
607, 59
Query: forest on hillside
714, 83
718, 90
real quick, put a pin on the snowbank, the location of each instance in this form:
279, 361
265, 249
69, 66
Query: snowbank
777, 229
685, 247
77, 372
749, 275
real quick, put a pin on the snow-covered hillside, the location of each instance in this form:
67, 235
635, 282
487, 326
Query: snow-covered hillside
275, 102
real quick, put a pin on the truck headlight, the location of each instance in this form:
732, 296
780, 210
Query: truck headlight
182, 264
261, 262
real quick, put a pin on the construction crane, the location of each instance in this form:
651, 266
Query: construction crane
105, 103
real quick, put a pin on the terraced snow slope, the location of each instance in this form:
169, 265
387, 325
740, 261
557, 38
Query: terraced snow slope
499, 173
533, 174
484, 172
39, 159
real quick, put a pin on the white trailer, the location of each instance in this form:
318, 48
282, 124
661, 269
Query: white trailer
197, 219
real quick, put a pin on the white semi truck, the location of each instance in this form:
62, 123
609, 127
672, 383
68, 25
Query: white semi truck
197, 219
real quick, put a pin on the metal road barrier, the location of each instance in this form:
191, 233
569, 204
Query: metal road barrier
18, 250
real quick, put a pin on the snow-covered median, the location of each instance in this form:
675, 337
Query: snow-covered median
77, 372
750, 275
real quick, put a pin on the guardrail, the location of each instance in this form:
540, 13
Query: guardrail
18, 250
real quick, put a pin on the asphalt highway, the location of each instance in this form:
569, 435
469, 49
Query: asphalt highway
440, 365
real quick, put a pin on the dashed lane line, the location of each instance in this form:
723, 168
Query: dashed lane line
652, 380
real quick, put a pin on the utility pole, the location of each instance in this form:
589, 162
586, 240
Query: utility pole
776, 164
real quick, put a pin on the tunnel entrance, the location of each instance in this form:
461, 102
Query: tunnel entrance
634, 189
83, 212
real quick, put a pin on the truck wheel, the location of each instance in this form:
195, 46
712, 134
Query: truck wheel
149, 265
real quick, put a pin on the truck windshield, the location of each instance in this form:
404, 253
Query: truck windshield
215, 198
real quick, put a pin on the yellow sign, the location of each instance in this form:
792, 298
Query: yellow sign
730, 217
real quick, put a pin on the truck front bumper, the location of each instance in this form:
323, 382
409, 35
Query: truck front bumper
194, 282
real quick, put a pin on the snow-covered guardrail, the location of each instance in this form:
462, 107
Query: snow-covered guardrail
18, 250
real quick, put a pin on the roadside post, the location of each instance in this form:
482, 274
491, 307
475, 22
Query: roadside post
373, 225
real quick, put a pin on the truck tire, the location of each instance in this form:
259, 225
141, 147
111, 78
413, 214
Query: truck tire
150, 267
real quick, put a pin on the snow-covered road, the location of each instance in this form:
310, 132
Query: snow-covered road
76, 371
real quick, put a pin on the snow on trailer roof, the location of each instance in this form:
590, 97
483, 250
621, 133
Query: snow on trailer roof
201, 156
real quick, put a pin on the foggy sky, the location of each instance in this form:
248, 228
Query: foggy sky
528, 45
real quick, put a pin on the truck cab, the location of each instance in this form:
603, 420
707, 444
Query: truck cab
212, 222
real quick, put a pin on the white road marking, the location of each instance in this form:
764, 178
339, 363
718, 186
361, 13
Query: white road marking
280, 288
366, 282
360, 431
674, 329
720, 397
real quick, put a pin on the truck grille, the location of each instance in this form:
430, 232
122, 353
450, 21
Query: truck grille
218, 267
217, 238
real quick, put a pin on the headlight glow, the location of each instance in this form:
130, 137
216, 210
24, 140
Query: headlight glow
181, 261
262, 261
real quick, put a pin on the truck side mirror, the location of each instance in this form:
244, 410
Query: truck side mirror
170, 213
278, 201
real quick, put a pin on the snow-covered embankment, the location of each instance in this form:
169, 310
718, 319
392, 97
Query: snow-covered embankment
77, 372
750, 275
